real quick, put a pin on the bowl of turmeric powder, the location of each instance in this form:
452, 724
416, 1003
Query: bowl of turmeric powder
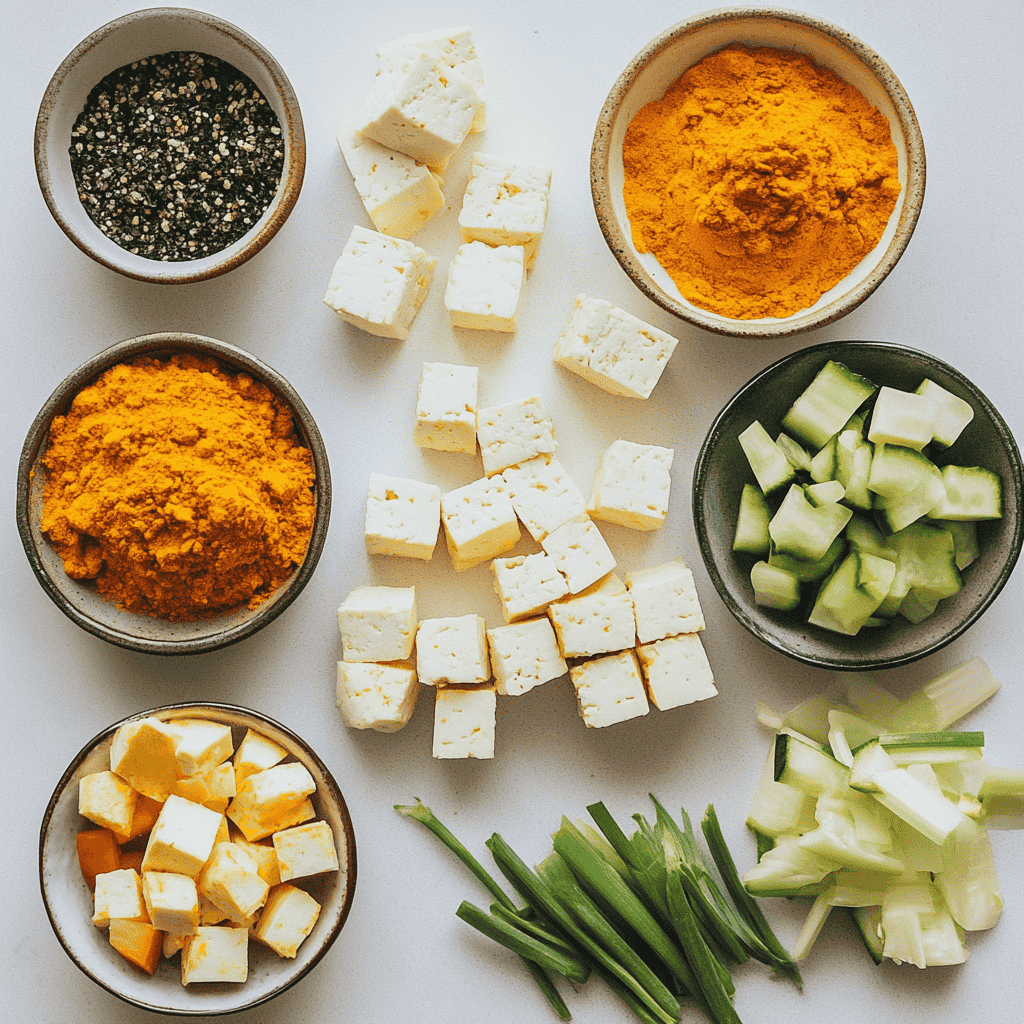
173, 494
757, 173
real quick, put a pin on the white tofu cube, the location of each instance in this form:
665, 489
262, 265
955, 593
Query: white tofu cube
580, 553
305, 850
172, 901
597, 620
665, 601
263, 855
479, 522
403, 517
613, 349
287, 919
676, 671
527, 584
255, 753
142, 753
484, 286
215, 953
544, 495
609, 689
399, 194
632, 484
505, 203
514, 432
107, 800
464, 722
231, 882
378, 623
200, 745
269, 799
446, 402
524, 655
378, 283
378, 696
182, 838
452, 651
118, 894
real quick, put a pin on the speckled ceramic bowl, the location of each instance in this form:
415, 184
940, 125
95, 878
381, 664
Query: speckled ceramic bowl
68, 901
721, 470
143, 34
662, 61
80, 601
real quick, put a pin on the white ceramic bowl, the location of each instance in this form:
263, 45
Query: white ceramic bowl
662, 61
143, 34
68, 901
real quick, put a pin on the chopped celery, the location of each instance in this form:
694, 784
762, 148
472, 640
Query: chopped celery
946, 699
813, 923
968, 880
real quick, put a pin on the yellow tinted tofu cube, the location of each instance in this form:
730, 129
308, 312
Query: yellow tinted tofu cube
255, 753
182, 838
305, 850
118, 894
172, 901
107, 800
232, 883
200, 745
215, 954
142, 753
263, 855
609, 689
265, 798
287, 919
376, 696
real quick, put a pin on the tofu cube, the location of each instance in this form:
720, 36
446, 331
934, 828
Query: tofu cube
676, 671
287, 919
609, 689
172, 901
597, 620
142, 753
631, 487
580, 553
613, 349
182, 839
479, 522
255, 753
543, 495
403, 517
107, 800
200, 745
378, 623
118, 894
379, 283
220, 783
452, 651
505, 203
305, 850
378, 696
527, 584
464, 722
231, 882
263, 855
267, 798
665, 601
514, 432
215, 953
524, 655
484, 286
446, 402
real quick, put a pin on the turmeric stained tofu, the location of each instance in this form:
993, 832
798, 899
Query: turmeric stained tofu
215, 953
271, 799
200, 745
107, 800
255, 753
484, 286
231, 882
305, 850
524, 655
464, 720
543, 495
142, 753
580, 553
527, 584
665, 601
287, 919
479, 522
403, 517
609, 689
378, 696
632, 484
597, 620
452, 651
118, 894
172, 901
513, 432
676, 671
378, 623
182, 838
446, 402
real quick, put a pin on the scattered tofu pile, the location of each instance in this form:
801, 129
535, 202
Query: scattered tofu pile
196, 853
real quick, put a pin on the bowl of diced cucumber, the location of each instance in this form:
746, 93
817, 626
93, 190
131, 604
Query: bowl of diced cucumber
857, 504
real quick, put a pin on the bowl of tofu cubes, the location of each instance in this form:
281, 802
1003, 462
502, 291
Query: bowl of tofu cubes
197, 859
858, 504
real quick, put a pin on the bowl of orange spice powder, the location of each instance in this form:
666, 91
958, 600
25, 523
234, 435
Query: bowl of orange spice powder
756, 172
173, 494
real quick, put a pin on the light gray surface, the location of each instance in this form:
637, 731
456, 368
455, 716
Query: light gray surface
403, 954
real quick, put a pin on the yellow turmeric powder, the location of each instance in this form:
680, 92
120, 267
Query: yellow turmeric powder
758, 181
179, 489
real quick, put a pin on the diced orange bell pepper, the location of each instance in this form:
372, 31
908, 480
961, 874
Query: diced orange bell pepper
138, 942
98, 853
132, 859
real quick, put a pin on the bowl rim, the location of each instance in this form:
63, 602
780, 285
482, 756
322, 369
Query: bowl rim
232, 356
798, 323
244, 248
833, 349
190, 709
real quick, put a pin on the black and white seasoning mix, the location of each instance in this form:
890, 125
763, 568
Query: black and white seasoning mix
176, 156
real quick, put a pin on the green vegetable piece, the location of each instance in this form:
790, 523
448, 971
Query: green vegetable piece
827, 404
774, 587
752, 522
803, 531
903, 418
971, 493
953, 413
771, 468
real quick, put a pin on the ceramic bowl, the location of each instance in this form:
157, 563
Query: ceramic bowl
678, 48
80, 601
721, 470
68, 900
143, 34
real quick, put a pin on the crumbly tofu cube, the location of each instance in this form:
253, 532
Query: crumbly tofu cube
609, 689
220, 783
200, 745
506, 203
399, 194
527, 584
172, 901
403, 517
632, 484
263, 855
446, 402
464, 720
305, 850
665, 601
215, 953
580, 553
255, 753
597, 620
263, 798
376, 695
524, 655
676, 671
613, 349
378, 623
287, 919
543, 495
118, 894
107, 800
479, 522
514, 432
484, 286
142, 753
379, 283
182, 838
452, 651
231, 882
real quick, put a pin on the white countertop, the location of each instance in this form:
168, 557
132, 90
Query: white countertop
958, 292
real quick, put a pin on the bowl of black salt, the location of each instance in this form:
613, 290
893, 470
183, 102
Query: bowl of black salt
169, 146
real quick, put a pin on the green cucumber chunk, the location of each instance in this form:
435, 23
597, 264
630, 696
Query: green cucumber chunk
803, 531
827, 404
971, 493
774, 587
751, 533
953, 412
771, 468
